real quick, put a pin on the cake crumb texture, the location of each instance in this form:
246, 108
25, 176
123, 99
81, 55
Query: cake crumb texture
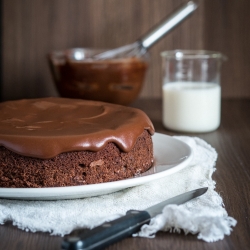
76, 168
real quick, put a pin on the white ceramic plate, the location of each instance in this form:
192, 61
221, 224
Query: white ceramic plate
171, 155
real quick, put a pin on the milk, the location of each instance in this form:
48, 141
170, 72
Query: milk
191, 106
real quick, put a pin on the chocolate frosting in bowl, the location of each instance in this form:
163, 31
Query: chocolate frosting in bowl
46, 127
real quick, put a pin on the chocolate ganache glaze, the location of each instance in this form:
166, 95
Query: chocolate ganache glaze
46, 127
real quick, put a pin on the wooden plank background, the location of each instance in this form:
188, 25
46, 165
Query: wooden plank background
32, 28
226, 28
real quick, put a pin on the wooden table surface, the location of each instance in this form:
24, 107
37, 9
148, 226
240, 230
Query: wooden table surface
231, 141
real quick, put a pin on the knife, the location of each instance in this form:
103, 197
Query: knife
113, 231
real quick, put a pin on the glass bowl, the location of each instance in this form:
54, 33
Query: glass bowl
78, 75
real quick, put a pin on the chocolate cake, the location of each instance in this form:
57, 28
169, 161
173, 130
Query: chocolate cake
55, 142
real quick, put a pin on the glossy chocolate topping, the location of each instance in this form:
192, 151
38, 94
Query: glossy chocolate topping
46, 127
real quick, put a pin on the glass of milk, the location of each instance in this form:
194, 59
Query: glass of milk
191, 90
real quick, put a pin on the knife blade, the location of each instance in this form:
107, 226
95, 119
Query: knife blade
113, 231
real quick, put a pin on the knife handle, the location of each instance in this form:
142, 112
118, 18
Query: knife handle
108, 233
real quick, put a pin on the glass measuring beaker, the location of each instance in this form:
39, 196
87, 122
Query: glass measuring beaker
191, 90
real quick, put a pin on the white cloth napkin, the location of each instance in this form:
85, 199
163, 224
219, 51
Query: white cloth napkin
204, 216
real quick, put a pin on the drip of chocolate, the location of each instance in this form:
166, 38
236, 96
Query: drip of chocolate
46, 127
